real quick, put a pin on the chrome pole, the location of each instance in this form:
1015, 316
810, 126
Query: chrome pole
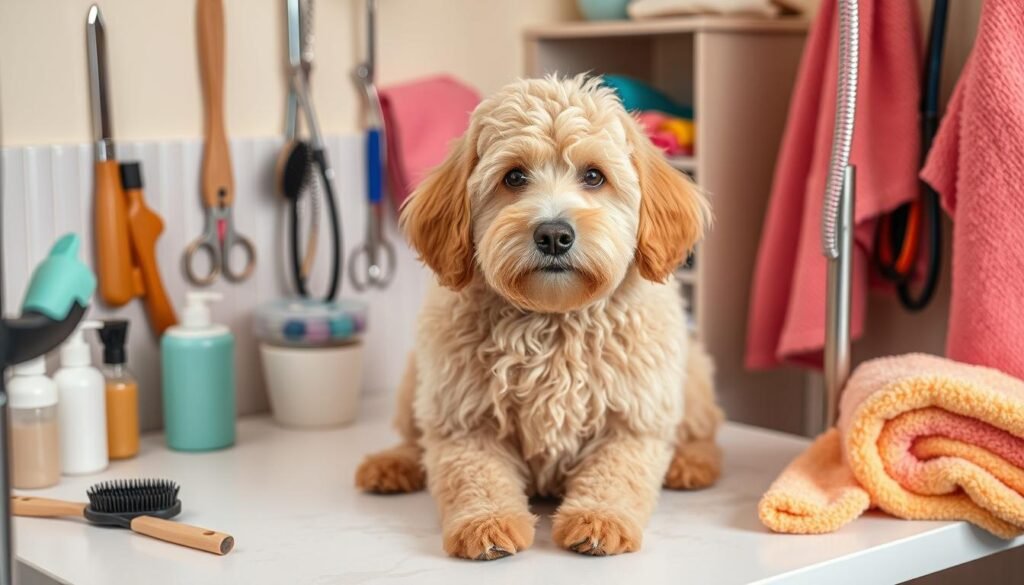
837, 309
6, 540
838, 213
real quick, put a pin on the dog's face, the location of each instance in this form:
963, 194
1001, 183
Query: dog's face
553, 195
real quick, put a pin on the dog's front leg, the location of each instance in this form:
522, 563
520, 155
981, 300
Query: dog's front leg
611, 495
479, 488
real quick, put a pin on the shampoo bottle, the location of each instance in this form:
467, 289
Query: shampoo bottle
35, 442
82, 406
122, 393
198, 371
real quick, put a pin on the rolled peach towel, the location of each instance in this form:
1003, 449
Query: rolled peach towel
919, 437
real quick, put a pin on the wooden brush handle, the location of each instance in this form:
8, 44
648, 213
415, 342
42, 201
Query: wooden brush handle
195, 537
45, 507
113, 255
217, 181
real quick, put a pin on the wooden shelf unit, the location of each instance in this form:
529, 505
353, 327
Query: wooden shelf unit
602, 29
737, 73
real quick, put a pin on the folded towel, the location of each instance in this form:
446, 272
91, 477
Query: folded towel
421, 119
920, 437
642, 9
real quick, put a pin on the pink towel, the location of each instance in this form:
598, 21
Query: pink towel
787, 304
977, 164
421, 118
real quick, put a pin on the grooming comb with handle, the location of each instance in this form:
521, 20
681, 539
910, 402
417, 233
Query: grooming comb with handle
141, 505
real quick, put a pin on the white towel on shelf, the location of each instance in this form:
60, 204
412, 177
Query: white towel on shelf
643, 9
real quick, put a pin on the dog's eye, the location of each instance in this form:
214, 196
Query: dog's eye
593, 178
515, 179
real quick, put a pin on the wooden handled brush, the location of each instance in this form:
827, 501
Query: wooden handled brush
141, 505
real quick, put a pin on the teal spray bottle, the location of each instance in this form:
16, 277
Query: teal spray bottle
198, 362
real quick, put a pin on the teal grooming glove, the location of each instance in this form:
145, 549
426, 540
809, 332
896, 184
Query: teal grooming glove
59, 281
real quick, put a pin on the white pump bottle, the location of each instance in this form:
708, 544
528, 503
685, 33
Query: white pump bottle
82, 412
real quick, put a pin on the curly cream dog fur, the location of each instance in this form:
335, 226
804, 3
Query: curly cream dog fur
542, 373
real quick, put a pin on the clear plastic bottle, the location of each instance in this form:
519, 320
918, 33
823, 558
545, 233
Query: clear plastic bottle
122, 393
35, 438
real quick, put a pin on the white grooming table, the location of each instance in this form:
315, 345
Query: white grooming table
288, 498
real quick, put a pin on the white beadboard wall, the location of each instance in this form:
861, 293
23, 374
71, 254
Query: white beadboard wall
48, 192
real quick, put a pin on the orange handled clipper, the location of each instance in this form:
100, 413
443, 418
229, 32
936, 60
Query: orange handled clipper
144, 228
113, 254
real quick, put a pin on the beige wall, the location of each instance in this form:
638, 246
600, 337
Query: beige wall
154, 77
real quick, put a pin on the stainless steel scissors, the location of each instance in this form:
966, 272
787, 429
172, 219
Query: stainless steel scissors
373, 263
218, 184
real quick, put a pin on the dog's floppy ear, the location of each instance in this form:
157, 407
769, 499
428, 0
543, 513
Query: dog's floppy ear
436, 218
673, 212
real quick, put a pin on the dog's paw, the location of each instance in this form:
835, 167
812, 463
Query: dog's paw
391, 472
489, 537
596, 533
695, 465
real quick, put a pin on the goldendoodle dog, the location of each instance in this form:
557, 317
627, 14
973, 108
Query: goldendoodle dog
554, 358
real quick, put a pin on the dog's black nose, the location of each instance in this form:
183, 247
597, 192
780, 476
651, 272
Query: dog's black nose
554, 238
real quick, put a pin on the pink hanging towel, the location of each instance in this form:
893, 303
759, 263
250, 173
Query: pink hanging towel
786, 322
421, 119
977, 165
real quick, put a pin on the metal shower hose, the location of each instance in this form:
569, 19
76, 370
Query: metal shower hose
846, 110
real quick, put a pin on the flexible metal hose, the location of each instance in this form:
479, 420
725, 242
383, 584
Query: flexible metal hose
846, 109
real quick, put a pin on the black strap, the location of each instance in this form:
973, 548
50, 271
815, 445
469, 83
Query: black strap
320, 162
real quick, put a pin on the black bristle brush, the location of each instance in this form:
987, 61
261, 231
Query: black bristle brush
141, 505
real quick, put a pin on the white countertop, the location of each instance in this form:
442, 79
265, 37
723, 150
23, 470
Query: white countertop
288, 498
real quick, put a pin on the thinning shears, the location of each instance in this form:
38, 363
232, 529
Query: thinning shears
373, 263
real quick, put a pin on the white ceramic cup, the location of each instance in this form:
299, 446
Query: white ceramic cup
313, 386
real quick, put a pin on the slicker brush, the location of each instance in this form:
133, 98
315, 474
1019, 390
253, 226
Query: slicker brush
141, 505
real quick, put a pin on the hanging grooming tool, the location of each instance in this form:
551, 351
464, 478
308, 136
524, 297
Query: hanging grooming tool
145, 227
113, 254
141, 505
900, 235
296, 172
302, 166
219, 237
378, 268
126, 229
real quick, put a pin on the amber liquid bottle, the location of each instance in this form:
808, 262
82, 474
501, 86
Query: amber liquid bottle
122, 393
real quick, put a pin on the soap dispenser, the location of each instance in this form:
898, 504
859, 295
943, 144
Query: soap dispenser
198, 371
82, 406
122, 392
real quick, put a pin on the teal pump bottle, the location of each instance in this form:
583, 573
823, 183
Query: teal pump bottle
198, 362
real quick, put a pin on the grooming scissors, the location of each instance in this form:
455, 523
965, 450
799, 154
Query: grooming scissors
380, 260
219, 237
